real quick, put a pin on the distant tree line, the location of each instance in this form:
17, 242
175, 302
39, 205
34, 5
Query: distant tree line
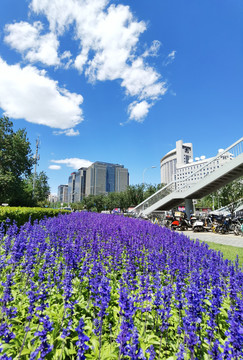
16, 165
132, 196
231, 193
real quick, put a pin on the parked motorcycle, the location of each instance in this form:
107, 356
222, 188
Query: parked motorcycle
180, 222
200, 225
238, 227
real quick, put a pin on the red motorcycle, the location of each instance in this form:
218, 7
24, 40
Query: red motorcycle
179, 222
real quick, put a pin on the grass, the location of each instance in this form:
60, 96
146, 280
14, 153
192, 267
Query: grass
229, 252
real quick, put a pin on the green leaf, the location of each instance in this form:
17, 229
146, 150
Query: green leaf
207, 302
25, 352
95, 345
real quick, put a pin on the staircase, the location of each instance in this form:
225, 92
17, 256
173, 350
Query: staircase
228, 166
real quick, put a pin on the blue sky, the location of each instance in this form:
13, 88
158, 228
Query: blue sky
121, 81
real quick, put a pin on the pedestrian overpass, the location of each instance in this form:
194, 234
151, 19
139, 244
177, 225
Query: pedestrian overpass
227, 165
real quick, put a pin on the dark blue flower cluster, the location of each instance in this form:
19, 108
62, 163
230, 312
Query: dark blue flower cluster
93, 286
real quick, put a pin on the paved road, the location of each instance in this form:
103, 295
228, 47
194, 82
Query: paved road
226, 239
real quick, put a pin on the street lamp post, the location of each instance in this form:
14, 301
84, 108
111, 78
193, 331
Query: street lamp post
151, 167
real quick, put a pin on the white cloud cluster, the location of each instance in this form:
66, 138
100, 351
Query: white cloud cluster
30, 94
138, 110
35, 47
74, 163
108, 38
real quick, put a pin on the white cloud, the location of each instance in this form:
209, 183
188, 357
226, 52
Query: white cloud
142, 81
34, 47
22, 36
108, 36
138, 110
45, 50
30, 94
68, 132
74, 163
54, 167
172, 55
170, 58
153, 50
61, 13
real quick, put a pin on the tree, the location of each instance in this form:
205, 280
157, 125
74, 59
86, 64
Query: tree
229, 194
114, 200
150, 189
16, 162
135, 194
41, 191
94, 202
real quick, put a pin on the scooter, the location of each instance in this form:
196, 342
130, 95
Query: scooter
180, 224
198, 226
202, 225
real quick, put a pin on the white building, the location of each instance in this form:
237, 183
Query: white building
52, 198
174, 159
179, 166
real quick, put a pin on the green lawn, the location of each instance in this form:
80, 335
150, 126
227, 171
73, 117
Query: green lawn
229, 252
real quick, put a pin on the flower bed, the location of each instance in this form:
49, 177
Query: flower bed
98, 286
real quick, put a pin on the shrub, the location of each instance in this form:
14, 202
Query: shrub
21, 215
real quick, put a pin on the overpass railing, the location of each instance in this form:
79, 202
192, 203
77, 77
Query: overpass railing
180, 185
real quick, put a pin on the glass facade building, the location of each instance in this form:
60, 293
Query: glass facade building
99, 178
62, 193
76, 185
103, 178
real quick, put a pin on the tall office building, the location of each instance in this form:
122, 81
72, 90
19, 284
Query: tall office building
76, 185
62, 193
80, 184
121, 179
71, 187
102, 178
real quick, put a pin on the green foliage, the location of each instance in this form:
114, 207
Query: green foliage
41, 190
232, 192
132, 196
229, 194
16, 161
93, 202
22, 214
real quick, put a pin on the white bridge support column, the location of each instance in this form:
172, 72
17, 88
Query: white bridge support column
189, 207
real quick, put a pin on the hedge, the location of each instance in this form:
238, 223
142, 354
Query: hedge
22, 214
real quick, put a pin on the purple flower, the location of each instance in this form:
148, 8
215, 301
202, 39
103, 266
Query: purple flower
181, 353
44, 347
151, 352
133, 350
82, 338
